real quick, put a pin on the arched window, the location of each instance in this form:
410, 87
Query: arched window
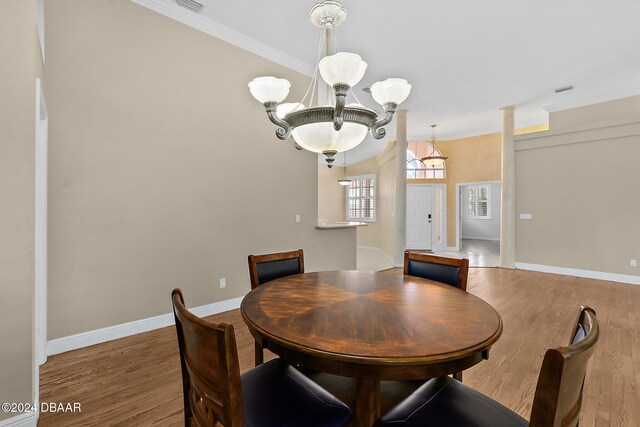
418, 170
414, 166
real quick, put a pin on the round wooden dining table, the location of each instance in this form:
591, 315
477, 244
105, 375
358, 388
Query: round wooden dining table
371, 326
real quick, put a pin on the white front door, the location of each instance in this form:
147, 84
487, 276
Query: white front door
419, 216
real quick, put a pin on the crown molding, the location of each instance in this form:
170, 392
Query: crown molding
229, 35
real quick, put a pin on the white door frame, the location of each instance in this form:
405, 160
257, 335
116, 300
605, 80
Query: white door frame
459, 211
40, 294
443, 187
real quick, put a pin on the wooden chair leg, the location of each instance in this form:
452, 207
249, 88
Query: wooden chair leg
259, 354
458, 376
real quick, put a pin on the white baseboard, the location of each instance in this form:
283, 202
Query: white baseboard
85, 339
481, 238
369, 248
29, 419
589, 274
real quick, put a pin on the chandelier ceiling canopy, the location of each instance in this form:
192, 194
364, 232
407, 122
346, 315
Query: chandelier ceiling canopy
336, 126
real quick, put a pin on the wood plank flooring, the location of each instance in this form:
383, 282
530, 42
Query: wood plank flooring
135, 381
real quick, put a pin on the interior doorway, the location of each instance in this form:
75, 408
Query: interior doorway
478, 222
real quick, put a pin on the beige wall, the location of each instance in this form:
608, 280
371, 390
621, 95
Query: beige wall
474, 159
381, 233
580, 182
331, 195
625, 109
18, 70
164, 171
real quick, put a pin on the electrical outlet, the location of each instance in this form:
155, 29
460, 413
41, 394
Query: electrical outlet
223, 283
298, 218
633, 262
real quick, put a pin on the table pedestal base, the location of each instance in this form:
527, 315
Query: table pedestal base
367, 402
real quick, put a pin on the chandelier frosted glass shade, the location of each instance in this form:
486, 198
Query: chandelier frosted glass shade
269, 89
390, 90
323, 138
342, 67
433, 161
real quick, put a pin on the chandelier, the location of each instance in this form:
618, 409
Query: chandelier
336, 126
432, 159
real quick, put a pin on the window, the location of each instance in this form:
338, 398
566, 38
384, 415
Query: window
361, 198
479, 202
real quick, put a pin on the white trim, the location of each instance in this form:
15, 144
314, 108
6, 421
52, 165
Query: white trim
85, 339
445, 210
227, 34
589, 274
369, 248
40, 244
481, 238
29, 419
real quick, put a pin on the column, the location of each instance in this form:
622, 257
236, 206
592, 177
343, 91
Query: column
508, 210
401, 188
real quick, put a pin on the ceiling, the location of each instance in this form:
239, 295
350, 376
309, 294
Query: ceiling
465, 59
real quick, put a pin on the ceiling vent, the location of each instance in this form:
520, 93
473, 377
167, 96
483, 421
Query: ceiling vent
194, 5
563, 89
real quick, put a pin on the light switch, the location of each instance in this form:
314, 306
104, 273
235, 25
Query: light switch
526, 216
297, 218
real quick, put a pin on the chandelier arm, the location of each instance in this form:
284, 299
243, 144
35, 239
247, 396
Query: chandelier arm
376, 129
341, 90
284, 129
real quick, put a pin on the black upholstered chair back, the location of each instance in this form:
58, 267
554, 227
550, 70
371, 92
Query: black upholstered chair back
451, 271
264, 268
558, 397
210, 369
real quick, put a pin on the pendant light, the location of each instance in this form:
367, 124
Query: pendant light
344, 181
432, 159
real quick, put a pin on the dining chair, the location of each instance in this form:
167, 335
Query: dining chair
452, 271
557, 400
273, 394
267, 267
